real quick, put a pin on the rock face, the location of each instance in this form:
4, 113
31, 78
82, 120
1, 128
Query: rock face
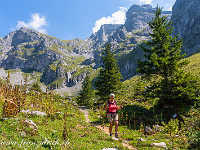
138, 17
133, 31
125, 38
186, 22
102, 35
30, 51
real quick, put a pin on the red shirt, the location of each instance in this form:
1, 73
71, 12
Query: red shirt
112, 108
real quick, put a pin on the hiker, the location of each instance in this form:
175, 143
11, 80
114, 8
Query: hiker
111, 107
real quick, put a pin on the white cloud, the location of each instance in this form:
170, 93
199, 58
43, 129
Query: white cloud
169, 7
37, 23
146, 1
118, 17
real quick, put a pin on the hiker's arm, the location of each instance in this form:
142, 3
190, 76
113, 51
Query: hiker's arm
119, 107
106, 106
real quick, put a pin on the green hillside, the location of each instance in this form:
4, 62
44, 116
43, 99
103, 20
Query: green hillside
194, 64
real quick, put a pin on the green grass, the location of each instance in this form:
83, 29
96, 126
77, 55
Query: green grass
194, 64
81, 135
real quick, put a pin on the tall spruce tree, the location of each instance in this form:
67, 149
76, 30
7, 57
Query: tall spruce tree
86, 96
108, 80
174, 88
163, 57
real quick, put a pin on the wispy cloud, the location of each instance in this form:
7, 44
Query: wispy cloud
118, 17
146, 1
37, 22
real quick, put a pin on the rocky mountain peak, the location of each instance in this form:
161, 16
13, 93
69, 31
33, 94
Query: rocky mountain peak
109, 28
139, 15
140, 8
21, 35
102, 35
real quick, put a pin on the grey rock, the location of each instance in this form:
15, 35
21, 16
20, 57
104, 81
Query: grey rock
31, 124
174, 116
38, 113
148, 130
186, 22
23, 134
141, 139
161, 144
158, 128
102, 35
114, 138
10, 118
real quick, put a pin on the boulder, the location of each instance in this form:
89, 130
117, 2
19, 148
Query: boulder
140, 139
38, 113
30, 123
161, 144
148, 130
23, 134
158, 128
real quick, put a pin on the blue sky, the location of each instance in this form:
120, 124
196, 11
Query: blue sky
67, 19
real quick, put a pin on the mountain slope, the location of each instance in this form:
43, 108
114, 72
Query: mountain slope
62, 63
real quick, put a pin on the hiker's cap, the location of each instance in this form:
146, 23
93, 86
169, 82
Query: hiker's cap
112, 94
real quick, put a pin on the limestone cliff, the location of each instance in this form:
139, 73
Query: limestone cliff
186, 22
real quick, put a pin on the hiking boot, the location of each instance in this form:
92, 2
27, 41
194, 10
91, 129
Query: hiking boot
110, 134
116, 135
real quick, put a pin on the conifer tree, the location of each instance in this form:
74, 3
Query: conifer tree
163, 57
163, 61
86, 96
108, 80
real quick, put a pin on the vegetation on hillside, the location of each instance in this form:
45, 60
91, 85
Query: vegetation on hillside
63, 126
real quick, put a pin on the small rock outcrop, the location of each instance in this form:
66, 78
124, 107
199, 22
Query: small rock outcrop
161, 144
31, 124
104, 32
38, 113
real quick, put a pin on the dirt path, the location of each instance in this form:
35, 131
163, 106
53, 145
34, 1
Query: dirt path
105, 129
84, 110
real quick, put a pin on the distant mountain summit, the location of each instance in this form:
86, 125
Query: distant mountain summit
125, 38
133, 31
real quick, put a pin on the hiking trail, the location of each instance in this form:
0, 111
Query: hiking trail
104, 128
